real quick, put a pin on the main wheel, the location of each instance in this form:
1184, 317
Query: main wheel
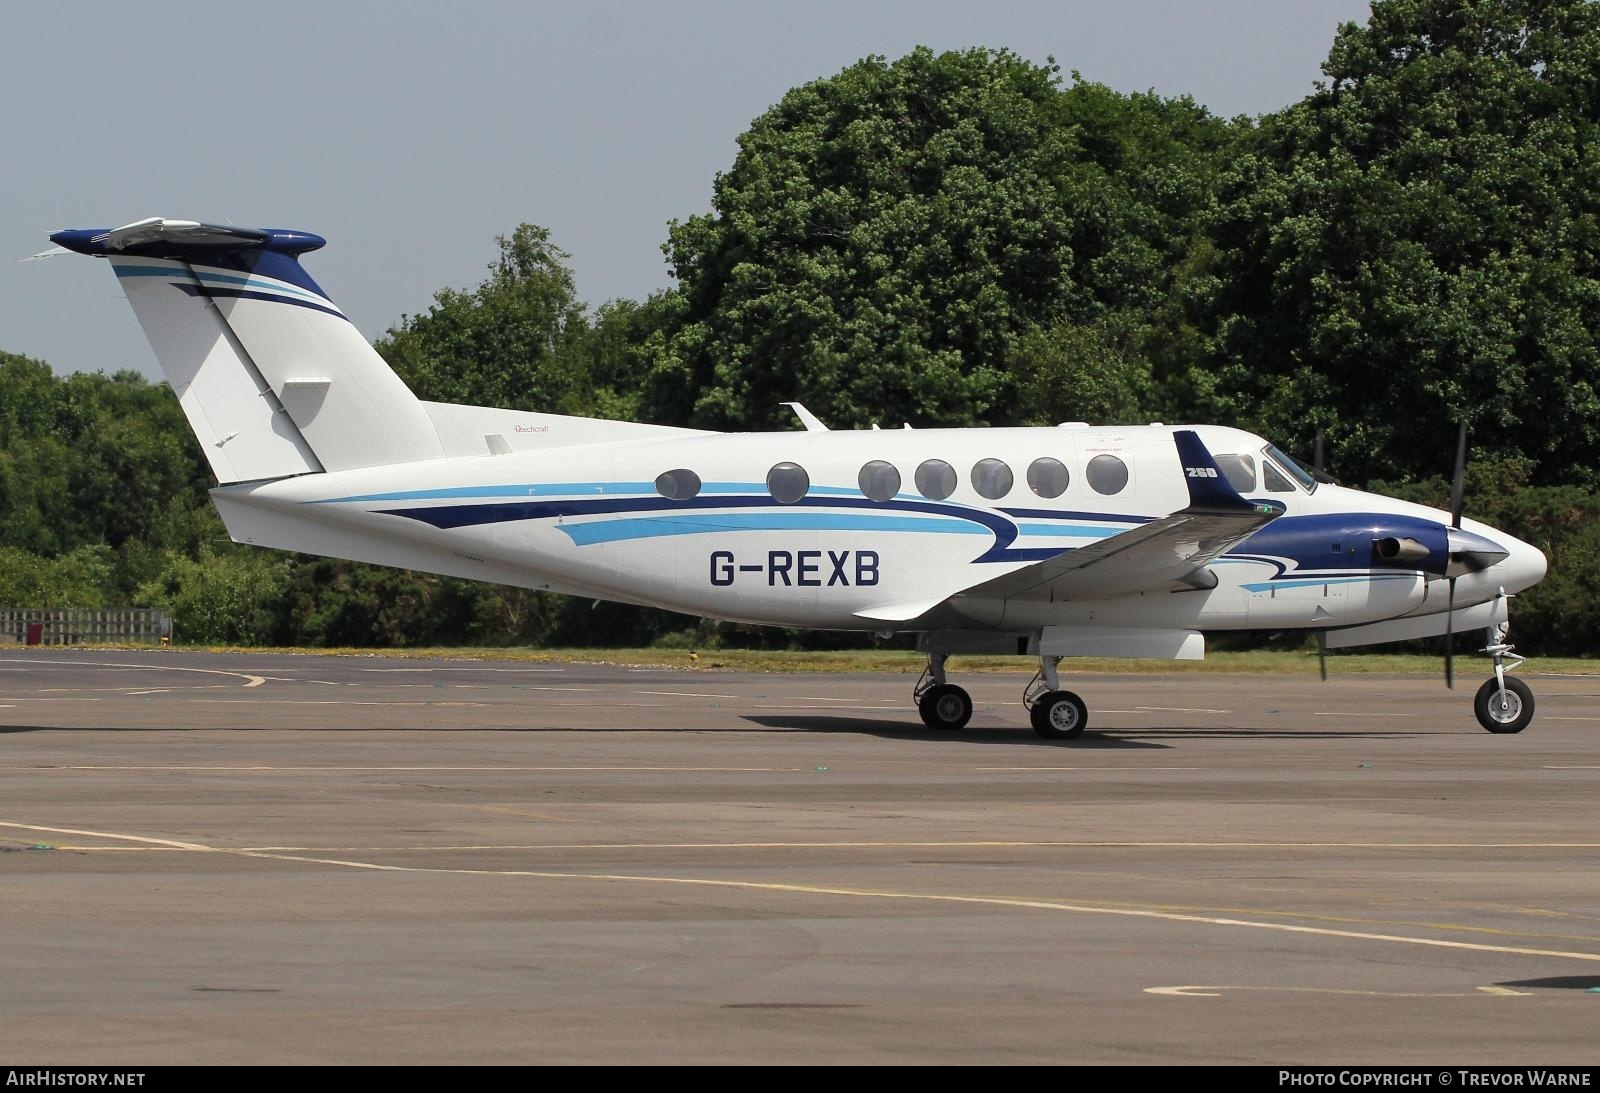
1503, 715
945, 706
1059, 715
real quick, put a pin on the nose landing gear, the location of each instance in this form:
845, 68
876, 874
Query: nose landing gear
1503, 704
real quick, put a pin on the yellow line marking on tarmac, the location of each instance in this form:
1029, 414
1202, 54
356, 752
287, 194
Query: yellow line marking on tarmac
1216, 992
262, 767
254, 681
155, 691
1014, 902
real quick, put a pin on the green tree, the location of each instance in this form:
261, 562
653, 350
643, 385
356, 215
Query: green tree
1418, 242
518, 340
885, 236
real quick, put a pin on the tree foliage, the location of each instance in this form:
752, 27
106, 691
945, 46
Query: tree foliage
1418, 242
885, 237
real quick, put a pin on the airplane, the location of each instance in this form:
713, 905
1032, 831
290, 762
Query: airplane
1055, 542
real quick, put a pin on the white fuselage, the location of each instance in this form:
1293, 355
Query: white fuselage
590, 519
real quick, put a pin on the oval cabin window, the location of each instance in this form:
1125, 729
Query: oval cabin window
879, 481
1106, 474
991, 478
1048, 477
788, 483
678, 485
936, 479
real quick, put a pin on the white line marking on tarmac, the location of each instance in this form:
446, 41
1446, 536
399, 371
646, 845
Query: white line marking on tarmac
779, 888
1555, 717
1574, 768
153, 691
1353, 713
254, 681
792, 706
451, 669
685, 694
1179, 709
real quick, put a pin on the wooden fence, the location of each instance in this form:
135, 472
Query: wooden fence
80, 625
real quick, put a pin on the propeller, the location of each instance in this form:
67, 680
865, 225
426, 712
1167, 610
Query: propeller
1457, 485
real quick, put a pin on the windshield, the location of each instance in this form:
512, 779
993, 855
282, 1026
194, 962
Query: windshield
1307, 480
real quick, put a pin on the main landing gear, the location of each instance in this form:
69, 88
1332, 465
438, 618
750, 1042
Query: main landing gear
1055, 714
1503, 704
942, 705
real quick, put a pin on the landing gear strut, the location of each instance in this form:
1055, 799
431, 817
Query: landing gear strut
1056, 714
942, 705
1503, 704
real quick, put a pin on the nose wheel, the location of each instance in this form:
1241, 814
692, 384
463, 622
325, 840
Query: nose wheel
1504, 710
1503, 704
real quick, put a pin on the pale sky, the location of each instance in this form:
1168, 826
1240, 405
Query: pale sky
411, 134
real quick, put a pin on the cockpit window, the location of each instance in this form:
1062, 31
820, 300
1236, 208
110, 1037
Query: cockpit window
1240, 471
1275, 480
1307, 481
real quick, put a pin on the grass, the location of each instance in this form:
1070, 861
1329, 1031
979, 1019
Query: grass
1286, 662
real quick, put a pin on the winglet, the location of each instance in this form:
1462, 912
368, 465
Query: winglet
1209, 488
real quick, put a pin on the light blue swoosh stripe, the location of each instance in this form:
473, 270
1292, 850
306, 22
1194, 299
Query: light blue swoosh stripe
1264, 586
247, 282
258, 283
649, 527
1076, 531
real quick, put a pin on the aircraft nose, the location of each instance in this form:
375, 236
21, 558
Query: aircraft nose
1525, 565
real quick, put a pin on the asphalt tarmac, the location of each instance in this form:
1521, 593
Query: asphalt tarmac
304, 859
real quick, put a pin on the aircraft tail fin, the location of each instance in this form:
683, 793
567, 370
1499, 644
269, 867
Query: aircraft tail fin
272, 377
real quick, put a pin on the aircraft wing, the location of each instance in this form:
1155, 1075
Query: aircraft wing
1173, 550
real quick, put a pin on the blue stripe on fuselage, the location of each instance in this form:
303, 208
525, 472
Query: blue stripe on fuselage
649, 527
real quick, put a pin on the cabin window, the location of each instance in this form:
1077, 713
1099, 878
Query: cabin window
936, 479
1048, 477
991, 478
788, 482
1240, 471
879, 481
1106, 474
1276, 481
678, 485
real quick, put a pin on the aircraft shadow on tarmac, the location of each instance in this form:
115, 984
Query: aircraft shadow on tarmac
909, 730
1558, 982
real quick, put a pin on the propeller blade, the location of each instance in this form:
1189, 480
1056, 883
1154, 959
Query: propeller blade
1322, 654
1450, 637
1458, 481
